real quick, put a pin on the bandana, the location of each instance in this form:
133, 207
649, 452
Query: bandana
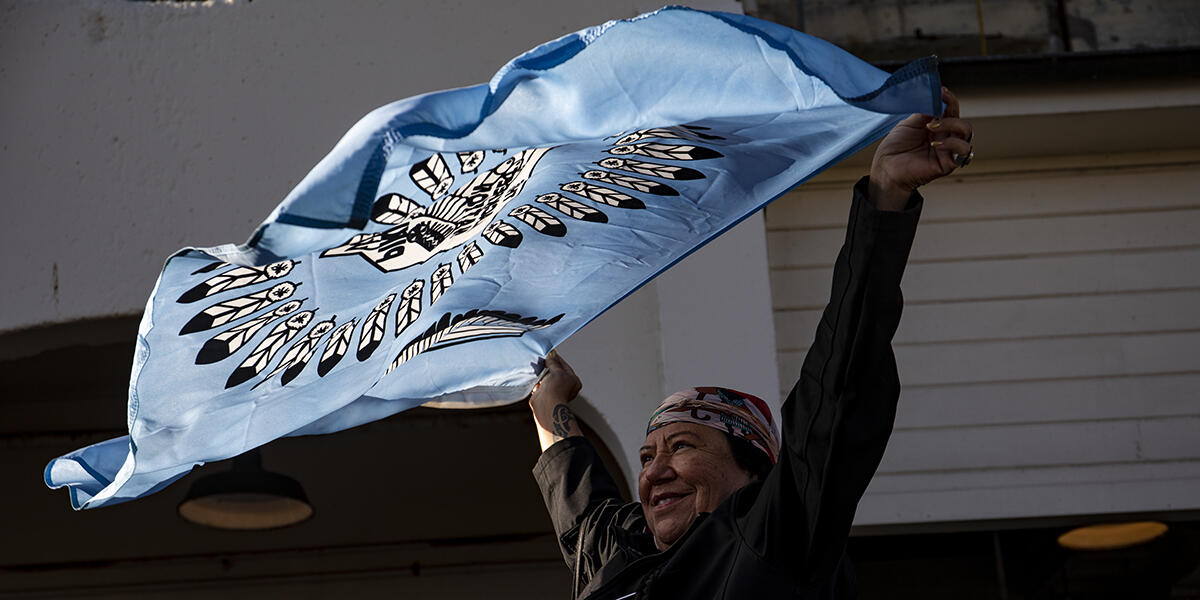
730, 411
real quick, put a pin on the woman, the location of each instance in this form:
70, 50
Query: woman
728, 508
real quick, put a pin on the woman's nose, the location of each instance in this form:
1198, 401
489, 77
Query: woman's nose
659, 469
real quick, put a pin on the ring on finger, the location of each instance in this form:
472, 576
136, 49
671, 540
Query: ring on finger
963, 160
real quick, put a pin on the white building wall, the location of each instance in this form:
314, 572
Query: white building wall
1048, 347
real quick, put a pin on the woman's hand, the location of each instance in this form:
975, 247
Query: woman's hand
558, 386
918, 150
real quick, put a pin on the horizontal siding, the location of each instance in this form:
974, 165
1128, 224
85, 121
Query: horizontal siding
941, 322
1053, 358
1012, 237
1042, 444
1103, 495
1049, 347
1025, 192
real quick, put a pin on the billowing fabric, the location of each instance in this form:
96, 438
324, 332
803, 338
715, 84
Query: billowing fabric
730, 411
450, 240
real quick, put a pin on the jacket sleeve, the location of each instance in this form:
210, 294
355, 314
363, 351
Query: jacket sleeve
591, 521
837, 419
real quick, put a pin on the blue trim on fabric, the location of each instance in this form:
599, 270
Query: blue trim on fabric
368, 185
304, 222
552, 58
104, 481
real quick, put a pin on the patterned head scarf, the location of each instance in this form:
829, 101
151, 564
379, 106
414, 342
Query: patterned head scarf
731, 411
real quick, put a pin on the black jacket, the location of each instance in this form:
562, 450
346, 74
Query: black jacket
783, 537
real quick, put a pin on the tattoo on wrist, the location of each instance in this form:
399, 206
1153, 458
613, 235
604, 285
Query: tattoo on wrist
563, 422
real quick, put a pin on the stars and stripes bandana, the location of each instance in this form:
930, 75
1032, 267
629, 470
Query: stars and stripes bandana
730, 411
450, 240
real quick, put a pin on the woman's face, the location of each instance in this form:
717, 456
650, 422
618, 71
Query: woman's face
687, 469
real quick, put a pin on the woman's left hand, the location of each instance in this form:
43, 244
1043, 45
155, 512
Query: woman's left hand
917, 151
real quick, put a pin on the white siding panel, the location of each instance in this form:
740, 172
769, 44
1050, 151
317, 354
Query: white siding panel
1050, 400
1014, 237
984, 479
994, 447
1099, 497
1173, 438
1010, 194
1050, 348
1008, 319
1033, 276
1024, 360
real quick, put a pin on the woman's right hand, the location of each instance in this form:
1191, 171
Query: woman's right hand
558, 386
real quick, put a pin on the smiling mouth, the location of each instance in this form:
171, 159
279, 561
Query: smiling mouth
666, 500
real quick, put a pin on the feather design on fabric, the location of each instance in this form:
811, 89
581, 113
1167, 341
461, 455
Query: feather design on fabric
212, 266
539, 219
603, 195
502, 234
573, 209
470, 160
433, 176
297, 357
467, 327
237, 278
440, 281
373, 328
262, 356
667, 151
634, 183
684, 132
336, 347
469, 256
410, 305
393, 208
225, 344
232, 310
651, 169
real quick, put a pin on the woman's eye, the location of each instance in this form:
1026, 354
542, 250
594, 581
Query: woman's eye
678, 445
645, 459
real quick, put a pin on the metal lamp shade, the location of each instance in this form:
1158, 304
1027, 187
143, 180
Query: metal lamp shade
246, 498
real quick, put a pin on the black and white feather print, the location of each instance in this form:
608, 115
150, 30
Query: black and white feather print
652, 169
225, 344
432, 176
683, 132
410, 305
336, 347
666, 151
212, 266
231, 310
452, 220
469, 256
502, 234
636, 184
471, 326
237, 278
266, 350
419, 232
390, 209
440, 281
470, 160
540, 220
572, 208
373, 328
603, 195
297, 357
